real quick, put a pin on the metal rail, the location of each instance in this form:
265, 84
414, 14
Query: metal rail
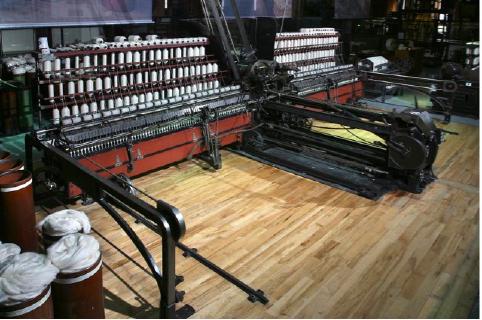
167, 220
422, 83
253, 294
163, 219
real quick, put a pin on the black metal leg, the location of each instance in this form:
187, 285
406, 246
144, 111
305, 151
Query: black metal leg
168, 284
167, 280
253, 295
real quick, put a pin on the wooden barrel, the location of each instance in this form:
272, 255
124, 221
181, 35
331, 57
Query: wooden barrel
11, 164
79, 295
17, 213
40, 307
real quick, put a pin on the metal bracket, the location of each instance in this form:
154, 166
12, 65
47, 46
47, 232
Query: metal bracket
185, 312
129, 147
118, 161
210, 141
139, 154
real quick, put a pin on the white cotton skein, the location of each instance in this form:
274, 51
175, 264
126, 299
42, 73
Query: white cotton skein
65, 222
7, 252
74, 252
25, 277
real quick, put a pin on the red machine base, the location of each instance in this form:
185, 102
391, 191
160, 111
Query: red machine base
341, 94
162, 151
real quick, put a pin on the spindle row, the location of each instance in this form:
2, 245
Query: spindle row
309, 50
306, 37
103, 79
72, 88
126, 103
102, 61
297, 57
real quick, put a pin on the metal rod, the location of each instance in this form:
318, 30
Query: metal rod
242, 30
253, 295
377, 128
222, 34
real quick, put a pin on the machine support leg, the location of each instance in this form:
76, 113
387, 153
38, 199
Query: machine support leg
168, 285
211, 142
253, 295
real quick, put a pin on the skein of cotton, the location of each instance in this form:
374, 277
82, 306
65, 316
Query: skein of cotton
7, 252
65, 222
25, 277
74, 252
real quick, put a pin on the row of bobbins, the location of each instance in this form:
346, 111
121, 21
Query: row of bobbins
138, 80
177, 70
305, 56
126, 103
306, 38
140, 55
309, 50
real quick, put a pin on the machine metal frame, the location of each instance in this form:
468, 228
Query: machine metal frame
403, 161
164, 219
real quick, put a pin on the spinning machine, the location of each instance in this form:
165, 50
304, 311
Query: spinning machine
311, 57
115, 110
135, 105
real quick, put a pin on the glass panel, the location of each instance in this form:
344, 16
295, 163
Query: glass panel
260, 8
30, 13
18, 40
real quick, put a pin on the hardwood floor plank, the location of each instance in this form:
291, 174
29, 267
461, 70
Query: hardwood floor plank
314, 250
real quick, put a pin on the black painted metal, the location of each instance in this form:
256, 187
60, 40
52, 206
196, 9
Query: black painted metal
240, 24
340, 109
210, 141
167, 220
346, 120
417, 82
253, 295
213, 8
287, 140
441, 92
166, 282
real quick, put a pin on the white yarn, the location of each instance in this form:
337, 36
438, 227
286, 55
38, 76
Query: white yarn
65, 222
7, 252
74, 252
25, 278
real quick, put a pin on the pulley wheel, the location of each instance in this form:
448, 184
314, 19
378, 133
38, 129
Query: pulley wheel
449, 86
407, 153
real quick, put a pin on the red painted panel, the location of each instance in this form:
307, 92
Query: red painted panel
343, 94
162, 151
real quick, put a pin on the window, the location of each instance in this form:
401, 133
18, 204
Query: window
47, 13
74, 35
18, 40
260, 8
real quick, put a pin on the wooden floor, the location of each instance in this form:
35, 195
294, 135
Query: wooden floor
314, 250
